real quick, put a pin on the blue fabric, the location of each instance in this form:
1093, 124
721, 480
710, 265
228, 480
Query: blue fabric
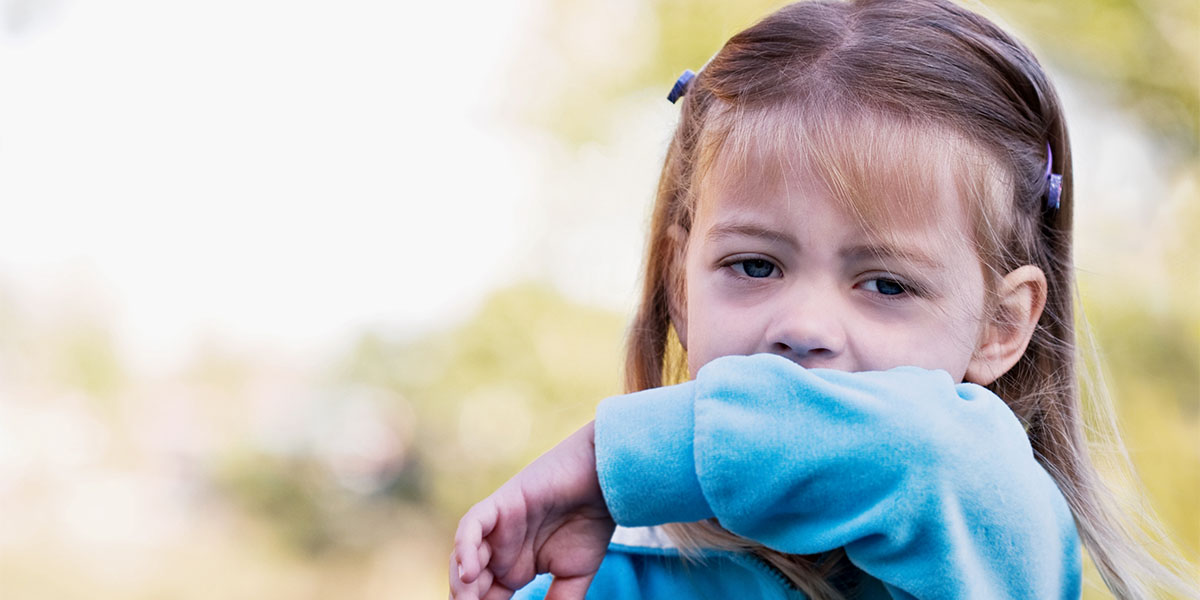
637, 574
931, 487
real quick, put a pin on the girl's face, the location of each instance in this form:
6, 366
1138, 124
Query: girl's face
776, 264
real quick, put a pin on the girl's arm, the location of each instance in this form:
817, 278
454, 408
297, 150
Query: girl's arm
931, 487
549, 518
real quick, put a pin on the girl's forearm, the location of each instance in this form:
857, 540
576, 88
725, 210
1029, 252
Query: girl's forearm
930, 487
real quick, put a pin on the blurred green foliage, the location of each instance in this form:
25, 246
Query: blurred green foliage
290, 494
498, 389
88, 360
487, 396
1148, 53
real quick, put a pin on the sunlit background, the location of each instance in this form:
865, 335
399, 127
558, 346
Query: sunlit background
286, 286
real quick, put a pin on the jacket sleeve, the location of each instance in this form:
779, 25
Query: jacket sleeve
930, 486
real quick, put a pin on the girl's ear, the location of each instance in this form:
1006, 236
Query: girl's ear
1021, 296
677, 282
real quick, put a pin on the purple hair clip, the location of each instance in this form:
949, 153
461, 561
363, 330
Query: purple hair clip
1053, 182
680, 87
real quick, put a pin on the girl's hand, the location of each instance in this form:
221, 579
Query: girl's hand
549, 518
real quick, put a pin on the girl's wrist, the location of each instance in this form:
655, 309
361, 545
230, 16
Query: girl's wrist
644, 457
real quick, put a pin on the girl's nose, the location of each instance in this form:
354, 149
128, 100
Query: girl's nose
809, 330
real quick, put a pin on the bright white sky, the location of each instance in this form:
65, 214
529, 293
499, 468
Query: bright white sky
275, 172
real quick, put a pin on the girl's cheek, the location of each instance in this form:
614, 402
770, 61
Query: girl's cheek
881, 348
736, 293
721, 330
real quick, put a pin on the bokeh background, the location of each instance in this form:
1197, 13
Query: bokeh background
285, 286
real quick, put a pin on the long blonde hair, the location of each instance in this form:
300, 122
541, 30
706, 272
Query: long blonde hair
927, 65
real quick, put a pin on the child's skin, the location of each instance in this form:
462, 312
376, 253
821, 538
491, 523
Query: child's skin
550, 517
778, 268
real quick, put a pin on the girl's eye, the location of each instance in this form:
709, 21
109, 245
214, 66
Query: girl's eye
756, 268
887, 287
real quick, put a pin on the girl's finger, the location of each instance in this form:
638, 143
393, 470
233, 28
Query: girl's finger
475, 590
569, 588
477, 523
461, 590
498, 592
457, 587
485, 554
509, 538
482, 586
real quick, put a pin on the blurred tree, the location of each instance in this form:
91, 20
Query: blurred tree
497, 390
1147, 51
288, 494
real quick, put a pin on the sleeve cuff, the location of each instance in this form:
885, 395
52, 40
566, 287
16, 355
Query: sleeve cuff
645, 460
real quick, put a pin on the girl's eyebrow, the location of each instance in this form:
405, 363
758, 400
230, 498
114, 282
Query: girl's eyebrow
881, 251
744, 229
877, 251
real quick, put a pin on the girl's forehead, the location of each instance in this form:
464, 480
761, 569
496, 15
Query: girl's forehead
800, 207
888, 174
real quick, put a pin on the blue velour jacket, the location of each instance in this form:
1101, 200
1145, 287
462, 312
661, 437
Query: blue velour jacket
931, 487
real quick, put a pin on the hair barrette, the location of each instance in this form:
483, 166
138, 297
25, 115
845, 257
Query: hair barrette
1053, 181
681, 84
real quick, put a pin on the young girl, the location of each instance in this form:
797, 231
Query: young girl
861, 255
